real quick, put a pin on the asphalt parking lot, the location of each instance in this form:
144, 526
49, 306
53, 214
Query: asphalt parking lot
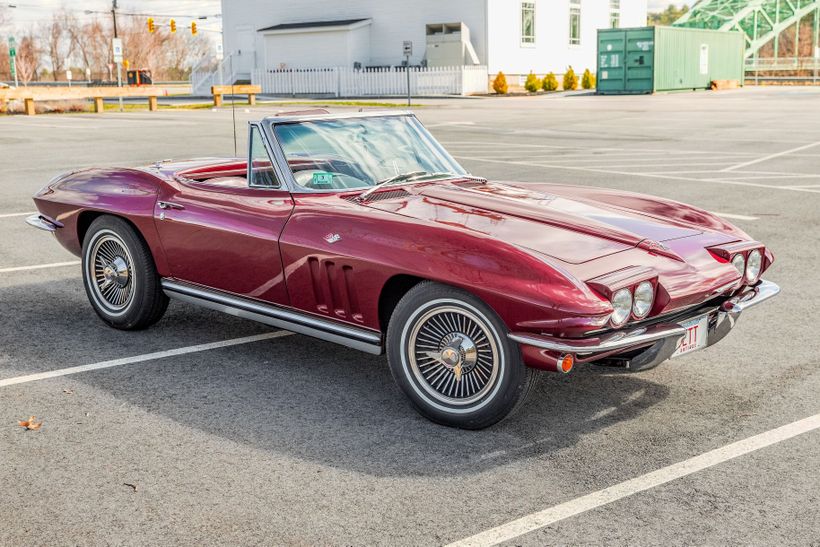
281, 439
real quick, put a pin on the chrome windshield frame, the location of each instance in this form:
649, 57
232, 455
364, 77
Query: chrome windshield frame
275, 147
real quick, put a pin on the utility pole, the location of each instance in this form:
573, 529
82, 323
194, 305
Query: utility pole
115, 44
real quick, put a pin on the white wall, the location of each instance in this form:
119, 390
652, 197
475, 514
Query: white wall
318, 49
393, 21
552, 51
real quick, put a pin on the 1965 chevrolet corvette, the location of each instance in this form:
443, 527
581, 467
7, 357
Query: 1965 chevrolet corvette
362, 230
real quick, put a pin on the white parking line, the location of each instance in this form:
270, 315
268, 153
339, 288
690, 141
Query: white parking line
141, 358
650, 175
772, 156
9, 215
734, 216
536, 521
39, 266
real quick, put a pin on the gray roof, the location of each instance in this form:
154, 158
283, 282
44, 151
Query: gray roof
314, 24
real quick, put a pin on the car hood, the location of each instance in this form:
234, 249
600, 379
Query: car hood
557, 221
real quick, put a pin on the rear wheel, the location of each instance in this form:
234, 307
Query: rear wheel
450, 354
119, 275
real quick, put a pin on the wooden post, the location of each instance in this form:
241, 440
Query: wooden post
217, 99
98, 105
152, 103
29, 106
251, 99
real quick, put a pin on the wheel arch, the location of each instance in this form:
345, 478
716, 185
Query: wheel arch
87, 217
391, 293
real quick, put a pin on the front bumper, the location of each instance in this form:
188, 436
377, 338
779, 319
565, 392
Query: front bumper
43, 223
661, 338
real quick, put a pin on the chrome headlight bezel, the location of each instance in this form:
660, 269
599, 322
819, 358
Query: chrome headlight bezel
754, 263
739, 262
621, 307
642, 299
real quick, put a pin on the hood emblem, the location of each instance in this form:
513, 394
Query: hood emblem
651, 245
332, 238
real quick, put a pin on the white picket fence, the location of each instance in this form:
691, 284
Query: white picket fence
376, 82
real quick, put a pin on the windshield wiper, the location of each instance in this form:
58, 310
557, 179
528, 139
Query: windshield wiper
417, 176
402, 177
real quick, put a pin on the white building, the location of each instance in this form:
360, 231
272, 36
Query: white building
514, 36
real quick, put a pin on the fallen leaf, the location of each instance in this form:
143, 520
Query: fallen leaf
31, 424
68, 391
132, 486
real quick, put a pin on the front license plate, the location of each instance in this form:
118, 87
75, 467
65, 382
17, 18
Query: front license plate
695, 337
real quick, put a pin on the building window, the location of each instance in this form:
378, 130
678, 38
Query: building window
574, 22
527, 23
614, 13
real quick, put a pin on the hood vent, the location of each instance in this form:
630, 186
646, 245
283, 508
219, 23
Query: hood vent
381, 196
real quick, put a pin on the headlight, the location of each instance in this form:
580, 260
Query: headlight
622, 307
644, 295
753, 265
739, 263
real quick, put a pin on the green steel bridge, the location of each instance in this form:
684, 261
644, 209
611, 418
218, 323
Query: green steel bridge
776, 31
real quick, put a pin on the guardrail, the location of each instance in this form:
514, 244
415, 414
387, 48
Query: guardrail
31, 94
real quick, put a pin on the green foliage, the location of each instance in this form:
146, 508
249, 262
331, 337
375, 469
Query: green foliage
500, 84
570, 80
667, 16
588, 80
533, 83
550, 82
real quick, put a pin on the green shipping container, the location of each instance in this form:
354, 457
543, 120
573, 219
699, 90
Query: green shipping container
650, 59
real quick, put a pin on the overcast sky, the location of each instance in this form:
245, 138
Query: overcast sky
29, 12
32, 11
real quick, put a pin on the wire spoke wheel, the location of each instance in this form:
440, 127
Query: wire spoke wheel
110, 270
453, 355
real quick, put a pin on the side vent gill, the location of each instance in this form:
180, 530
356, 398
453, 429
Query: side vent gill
334, 289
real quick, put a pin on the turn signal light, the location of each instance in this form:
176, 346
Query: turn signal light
566, 363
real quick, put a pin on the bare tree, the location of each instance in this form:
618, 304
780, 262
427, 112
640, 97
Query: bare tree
29, 55
58, 43
91, 42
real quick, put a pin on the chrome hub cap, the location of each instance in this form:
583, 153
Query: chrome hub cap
453, 355
109, 264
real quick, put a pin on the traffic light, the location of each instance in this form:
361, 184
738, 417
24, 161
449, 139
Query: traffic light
193, 28
151, 27
173, 26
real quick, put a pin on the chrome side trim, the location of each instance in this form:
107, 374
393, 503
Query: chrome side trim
761, 292
42, 223
353, 337
614, 341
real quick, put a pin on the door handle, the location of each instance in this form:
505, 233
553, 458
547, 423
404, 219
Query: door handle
170, 205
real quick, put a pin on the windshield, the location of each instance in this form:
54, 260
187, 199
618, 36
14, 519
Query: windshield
352, 153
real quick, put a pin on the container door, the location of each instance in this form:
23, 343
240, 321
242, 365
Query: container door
611, 74
640, 60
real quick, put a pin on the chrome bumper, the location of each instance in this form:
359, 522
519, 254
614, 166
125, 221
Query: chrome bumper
725, 316
42, 223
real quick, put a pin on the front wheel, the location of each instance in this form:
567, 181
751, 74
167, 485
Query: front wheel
449, 353
119, 275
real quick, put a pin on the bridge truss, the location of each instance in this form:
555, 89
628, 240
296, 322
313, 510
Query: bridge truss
776, 31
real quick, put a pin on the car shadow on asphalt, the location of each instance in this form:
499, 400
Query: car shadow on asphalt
315, 401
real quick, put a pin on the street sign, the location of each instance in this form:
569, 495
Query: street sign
68, 75
13, 59
408, 48
116, 48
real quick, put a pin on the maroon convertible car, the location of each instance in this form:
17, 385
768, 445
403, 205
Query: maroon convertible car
362, 230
